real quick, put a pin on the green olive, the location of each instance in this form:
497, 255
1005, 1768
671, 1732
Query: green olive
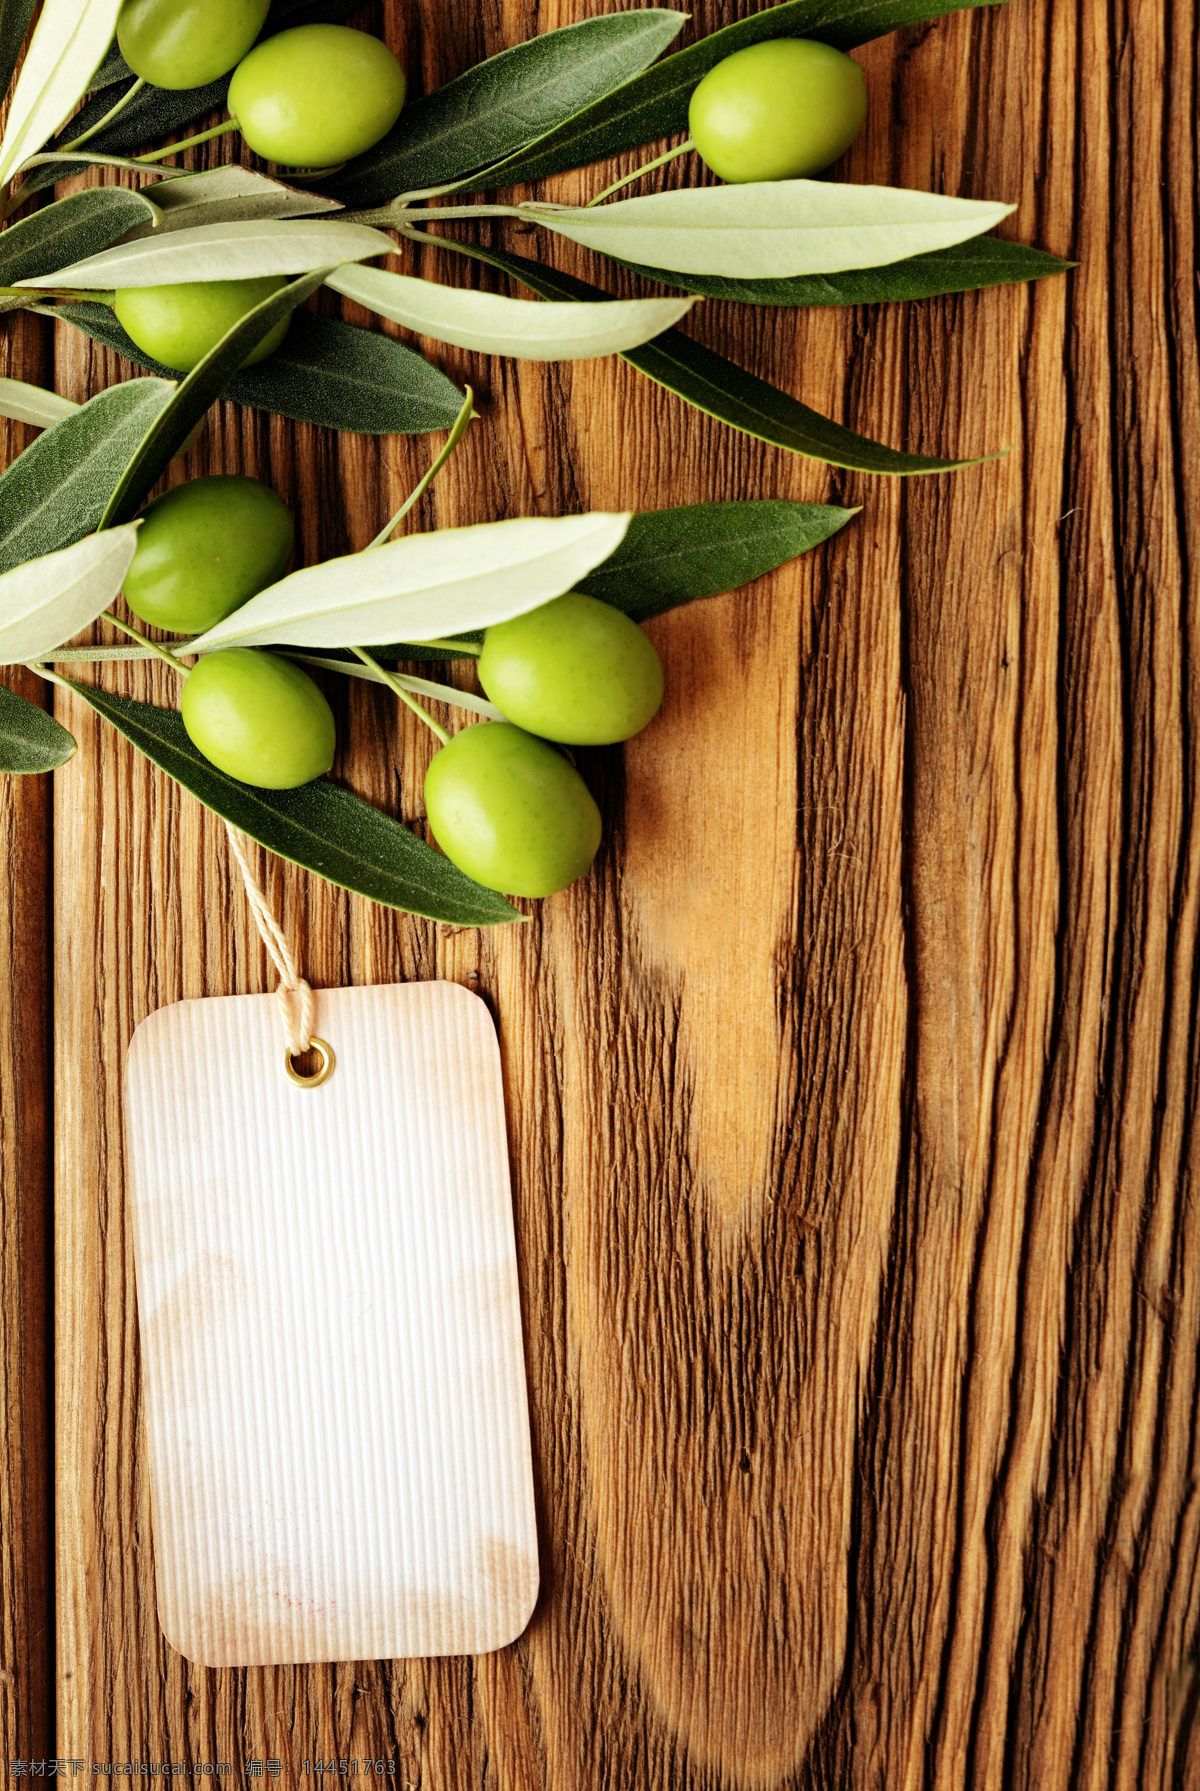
510, 811
258, 718
187, 43
204, 548
316, 95
778, 110
575, 670
178, 325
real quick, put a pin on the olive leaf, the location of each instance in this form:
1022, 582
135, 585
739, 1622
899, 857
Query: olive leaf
56, 491
654, 104
326, 372
30, 740
114, 68
69, 230
725, 391
33, 404
770, 229
173, 424
985, 261
66, 47
506, 102
320, 826
233, 251
670, 557
14, 23
424, 586
493, 325
47, 600
223, 196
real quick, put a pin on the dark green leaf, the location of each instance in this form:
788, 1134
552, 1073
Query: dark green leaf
655, 104
669, 557
114, 68
67, 231
741, 399
30, 740
728, 392
175, 422
321, 826
14, 23
56, 491
506, 102
326, 372
984, 261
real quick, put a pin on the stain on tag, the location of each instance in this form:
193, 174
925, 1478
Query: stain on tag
335, 1397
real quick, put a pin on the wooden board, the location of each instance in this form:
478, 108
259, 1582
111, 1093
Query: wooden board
26, 1401
337, 1424
852, 1100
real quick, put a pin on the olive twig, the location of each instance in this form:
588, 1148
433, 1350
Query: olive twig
668, 156
465, 416
99, 161
452, 213
109, 655
395, 685
218, 130
43, 671
168, 658
100, 123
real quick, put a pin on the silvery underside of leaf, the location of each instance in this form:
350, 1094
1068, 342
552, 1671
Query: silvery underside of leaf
229, 251
67, 45
491, 324
226, 195
772, 229
47, 600
424, 587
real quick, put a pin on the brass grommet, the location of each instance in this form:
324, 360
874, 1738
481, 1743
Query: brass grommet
321, 1075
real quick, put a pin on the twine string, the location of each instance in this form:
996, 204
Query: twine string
299, 1037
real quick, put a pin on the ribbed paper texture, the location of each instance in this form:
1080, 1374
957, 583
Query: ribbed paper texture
330, 1327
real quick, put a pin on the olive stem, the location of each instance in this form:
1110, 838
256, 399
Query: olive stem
450, 186
451, 213
668, 156
50, 677
425, 236
465, 416
70, 295
297, 176
441, 693
218, 130
108, 116
136, 635
111, 655
86, 155
394, 684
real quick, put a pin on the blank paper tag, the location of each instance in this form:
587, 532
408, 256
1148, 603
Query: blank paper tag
327, 1295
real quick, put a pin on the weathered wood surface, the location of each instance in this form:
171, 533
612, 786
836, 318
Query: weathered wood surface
851, 1102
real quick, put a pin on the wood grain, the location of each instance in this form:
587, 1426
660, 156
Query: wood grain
851, 1102
26, 1418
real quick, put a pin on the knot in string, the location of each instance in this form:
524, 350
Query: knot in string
291, 983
